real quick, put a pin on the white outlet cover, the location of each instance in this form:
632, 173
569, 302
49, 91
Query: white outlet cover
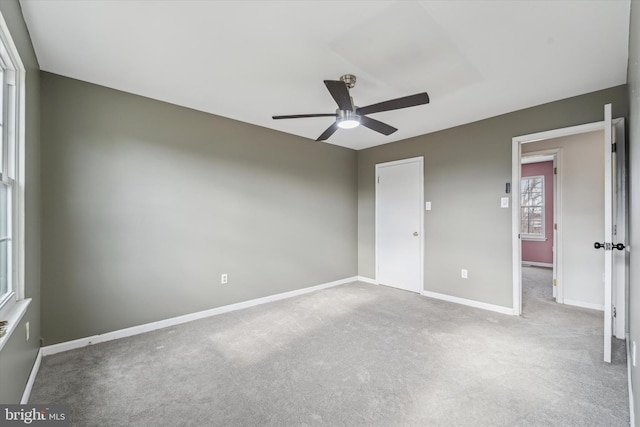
464, 273
504, 202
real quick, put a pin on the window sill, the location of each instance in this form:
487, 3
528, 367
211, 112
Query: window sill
13, 311
534, 238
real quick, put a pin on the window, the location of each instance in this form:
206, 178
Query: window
11, 168
532, 207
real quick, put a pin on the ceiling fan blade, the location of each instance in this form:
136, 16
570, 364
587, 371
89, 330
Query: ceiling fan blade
340, 93
304, 116
395, 104
327, 133
376, 125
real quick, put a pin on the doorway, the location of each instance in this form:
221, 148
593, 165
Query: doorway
607, 295
399, 224
539, 217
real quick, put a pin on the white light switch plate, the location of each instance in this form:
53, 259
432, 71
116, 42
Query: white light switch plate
504, 202
427, 206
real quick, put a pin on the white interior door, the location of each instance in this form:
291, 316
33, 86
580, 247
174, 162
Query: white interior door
399, 219
619, 185
614, 231
609, 195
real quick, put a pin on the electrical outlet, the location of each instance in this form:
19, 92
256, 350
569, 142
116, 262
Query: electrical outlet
224, 279
26, 327
464, 273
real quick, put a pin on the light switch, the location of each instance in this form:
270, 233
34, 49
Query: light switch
504, 202
427, 206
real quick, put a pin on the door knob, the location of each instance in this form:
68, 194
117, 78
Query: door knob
609, 246
415, 233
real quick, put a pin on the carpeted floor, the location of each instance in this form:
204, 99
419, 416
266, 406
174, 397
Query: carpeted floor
353, 355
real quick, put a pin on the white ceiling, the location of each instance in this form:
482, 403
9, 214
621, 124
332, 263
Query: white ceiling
249, 60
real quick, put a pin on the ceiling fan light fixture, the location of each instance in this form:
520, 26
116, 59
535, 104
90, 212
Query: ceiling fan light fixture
348, 124
348, 119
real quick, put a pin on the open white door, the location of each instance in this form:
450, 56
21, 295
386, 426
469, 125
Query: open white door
609, 194
614, 230
619, 284
609, 235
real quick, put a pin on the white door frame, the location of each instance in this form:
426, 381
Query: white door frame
555, 155
420, 160
516, 252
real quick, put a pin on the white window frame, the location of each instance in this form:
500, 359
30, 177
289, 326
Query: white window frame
13, 128
542, 234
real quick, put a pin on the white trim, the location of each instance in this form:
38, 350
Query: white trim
367, 280
470, 303
516, 246
13, 312
559, 133
533, 238
148, 327
537, 264
530, 236
378, 166
535, 158
32, 378
599, 307
18, 251
632, 415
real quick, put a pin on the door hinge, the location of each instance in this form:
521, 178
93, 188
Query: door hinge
555, 282
555, 171
613, 311
614, 146
378, 179
555, 226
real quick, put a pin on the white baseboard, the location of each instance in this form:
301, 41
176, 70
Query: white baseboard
632, 415
367, 280
148, 327
32, 379
537, 264
470, 303
599, 307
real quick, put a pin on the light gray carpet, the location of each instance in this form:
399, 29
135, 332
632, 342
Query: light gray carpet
353, 355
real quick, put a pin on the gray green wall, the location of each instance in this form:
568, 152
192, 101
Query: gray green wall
145, 205
465, 172
633, 79
17, 357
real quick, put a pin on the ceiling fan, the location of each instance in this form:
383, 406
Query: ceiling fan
348, 115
